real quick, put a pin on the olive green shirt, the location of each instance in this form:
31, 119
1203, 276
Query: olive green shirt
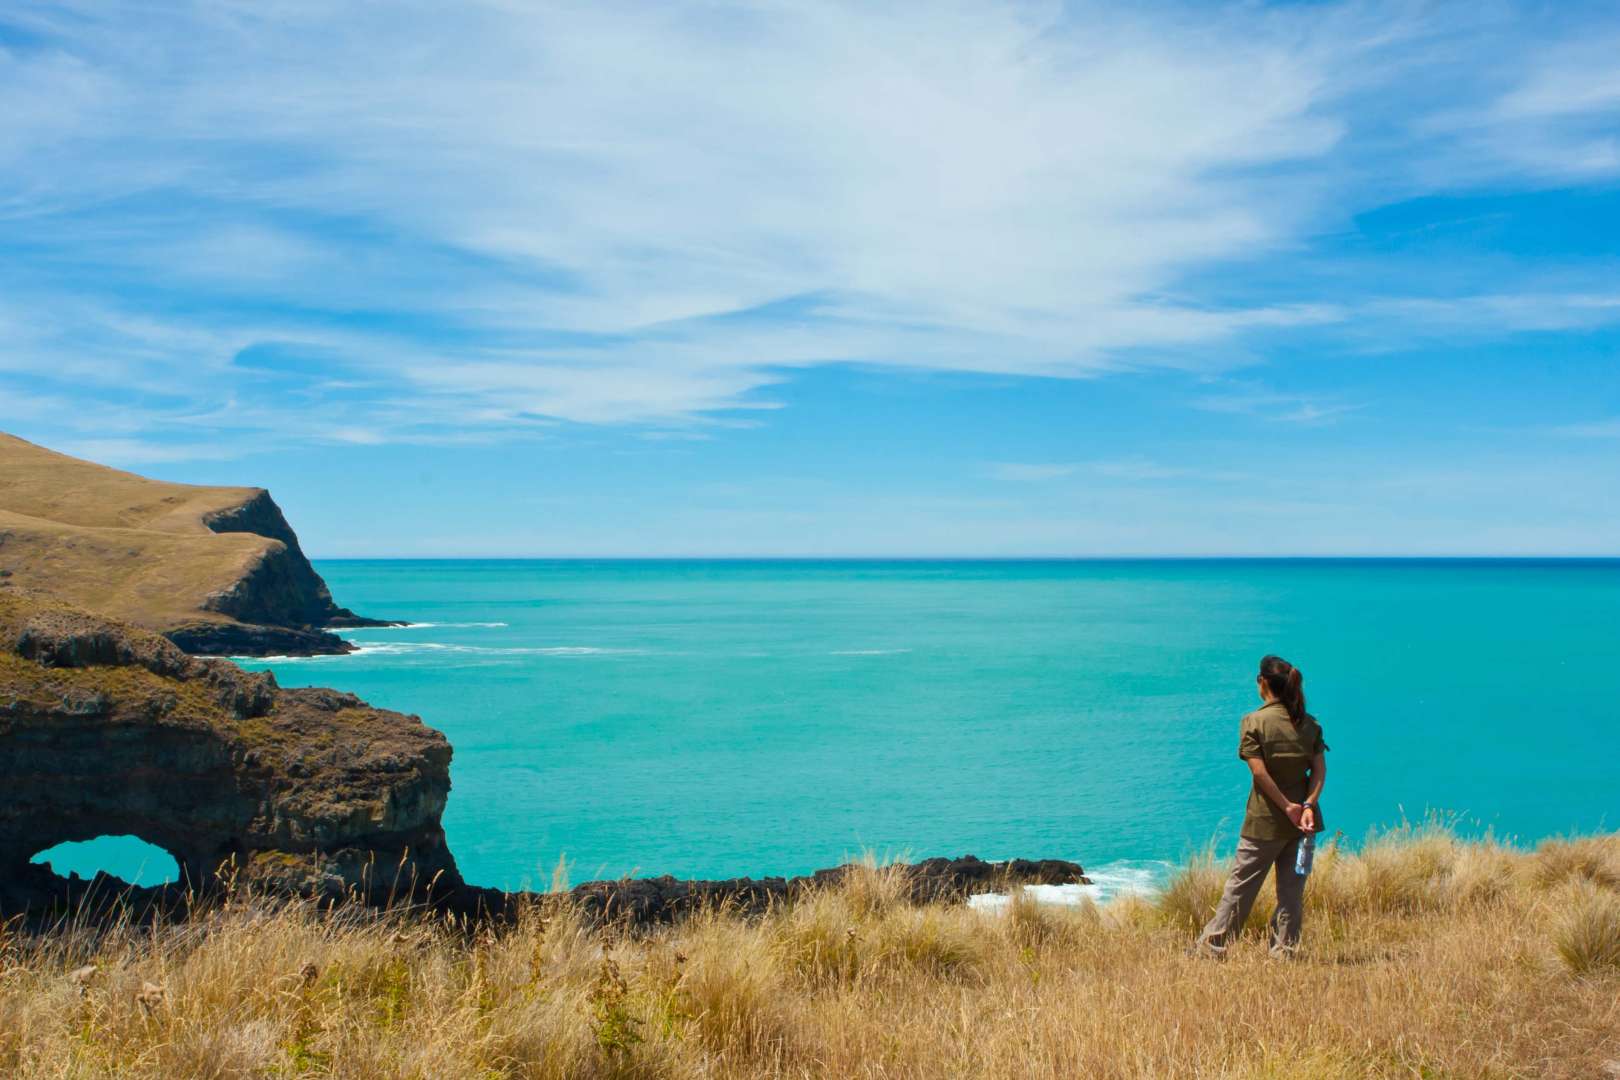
1289, 753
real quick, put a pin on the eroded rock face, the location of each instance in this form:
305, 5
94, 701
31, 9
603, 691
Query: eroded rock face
108, 729
279, 606
282, 589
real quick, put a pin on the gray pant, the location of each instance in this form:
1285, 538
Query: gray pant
1254, 859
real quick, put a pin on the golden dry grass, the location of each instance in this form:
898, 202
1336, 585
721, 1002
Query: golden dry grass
117, 543
44, 484
1424, 956
152, 579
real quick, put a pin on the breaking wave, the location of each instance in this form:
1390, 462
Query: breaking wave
442, 625
395, 648
1107, 881
407, 648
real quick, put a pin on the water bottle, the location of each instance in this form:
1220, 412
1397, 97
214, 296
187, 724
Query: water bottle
1307, 852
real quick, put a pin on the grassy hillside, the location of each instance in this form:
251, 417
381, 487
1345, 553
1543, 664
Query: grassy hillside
151, 578
216, 568
41, 483
1424, 957
114, 542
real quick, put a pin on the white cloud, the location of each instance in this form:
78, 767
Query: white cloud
1021, 471
493, 214
1572, 79
1249, 399
1493, 313
997, 188
1561, 118
132, 452
1132, 470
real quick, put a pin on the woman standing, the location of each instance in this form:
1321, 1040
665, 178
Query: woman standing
1283, 747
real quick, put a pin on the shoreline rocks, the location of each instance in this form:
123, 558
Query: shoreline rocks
649, 901
631, 902
242, 639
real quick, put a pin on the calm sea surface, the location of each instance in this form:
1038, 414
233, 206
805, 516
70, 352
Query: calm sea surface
725, 718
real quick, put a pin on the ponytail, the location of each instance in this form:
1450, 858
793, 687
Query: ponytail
1286, 684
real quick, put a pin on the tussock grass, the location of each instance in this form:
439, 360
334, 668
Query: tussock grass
1587, 928
1424, 955
1593, 858
1189, 899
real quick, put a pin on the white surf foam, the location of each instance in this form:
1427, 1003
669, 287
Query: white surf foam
425, 625
275, 659
408, 648
1107, 882
405, 648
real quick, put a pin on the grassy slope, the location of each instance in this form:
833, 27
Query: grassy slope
44, 484
154, 579
114, 542
1424, 957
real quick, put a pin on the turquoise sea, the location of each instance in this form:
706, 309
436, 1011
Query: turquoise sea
720, 718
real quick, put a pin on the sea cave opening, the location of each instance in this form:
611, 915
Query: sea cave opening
128, 858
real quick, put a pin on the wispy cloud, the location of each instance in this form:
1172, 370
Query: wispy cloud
1249, 399
1560, 120
496, 216
1492, 314
135, 452
1135, 470
1023, 472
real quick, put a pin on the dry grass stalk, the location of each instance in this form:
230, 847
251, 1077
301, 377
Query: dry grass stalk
1424, 955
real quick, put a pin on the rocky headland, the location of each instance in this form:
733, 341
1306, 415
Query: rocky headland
216, 570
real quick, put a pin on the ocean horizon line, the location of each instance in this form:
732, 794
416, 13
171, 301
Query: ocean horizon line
987, 559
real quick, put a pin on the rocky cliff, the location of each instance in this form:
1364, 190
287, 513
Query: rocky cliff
216, 569
109, 729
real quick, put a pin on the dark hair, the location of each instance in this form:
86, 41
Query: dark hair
1286, 684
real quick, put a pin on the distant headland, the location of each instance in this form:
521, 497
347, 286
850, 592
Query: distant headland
216, 570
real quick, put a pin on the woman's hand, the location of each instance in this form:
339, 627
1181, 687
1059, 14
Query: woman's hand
1307, 821
1296, 813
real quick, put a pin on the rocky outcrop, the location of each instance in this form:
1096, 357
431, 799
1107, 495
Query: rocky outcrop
279, 605
108, 729
216, 569
282, 589
247, 639
644, 901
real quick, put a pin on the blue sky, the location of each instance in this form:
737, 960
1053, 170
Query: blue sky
786, 278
